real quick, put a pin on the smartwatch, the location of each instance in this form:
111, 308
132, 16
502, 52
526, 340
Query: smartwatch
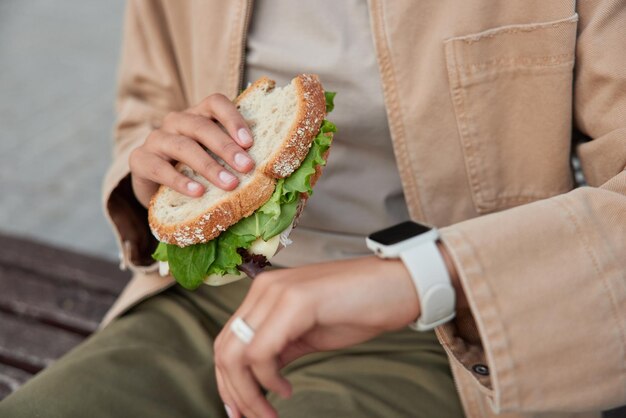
416, 245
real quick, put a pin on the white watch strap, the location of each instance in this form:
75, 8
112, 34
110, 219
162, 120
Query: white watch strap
432, 281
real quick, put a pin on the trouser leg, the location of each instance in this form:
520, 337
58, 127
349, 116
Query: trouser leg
400, 374
157, 361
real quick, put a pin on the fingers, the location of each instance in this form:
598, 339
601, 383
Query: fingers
221, 108
149, 168
229, 402
242, 376
248, 395
266, 372
238, 387
265, 365
182, 148
209, 134
181, 137
287, 321
279, 316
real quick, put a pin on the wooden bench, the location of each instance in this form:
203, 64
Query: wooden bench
50, 301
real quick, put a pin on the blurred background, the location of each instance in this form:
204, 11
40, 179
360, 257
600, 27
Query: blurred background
58, 63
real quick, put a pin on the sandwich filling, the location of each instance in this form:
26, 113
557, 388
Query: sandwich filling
225, 254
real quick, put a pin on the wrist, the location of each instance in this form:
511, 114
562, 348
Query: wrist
412, 309
461, 300
417, 245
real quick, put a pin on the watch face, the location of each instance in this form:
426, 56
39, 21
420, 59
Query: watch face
399, 233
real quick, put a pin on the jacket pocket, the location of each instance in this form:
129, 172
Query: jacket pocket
512, 92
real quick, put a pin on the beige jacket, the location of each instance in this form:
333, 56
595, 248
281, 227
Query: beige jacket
483, 100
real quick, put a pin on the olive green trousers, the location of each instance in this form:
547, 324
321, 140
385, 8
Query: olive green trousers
157, 361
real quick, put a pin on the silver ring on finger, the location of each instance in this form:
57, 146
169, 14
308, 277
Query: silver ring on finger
242, 330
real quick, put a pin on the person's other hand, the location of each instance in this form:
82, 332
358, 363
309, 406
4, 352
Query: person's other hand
302, 310
182, 137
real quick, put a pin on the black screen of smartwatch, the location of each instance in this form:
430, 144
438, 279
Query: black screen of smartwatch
399, 233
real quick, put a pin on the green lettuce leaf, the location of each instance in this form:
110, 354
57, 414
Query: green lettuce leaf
160, 254
300, 180
227, 258
330, 103
190, 265
272, 206
277, 225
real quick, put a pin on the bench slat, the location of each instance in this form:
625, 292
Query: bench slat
10, 379
65, 304
50, 300
30, 345
90, 272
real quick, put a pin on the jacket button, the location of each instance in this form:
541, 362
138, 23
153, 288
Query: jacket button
481, 369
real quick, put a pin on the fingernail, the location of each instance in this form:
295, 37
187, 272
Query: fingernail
228, 411
226, 177
194, 187
244, 136
242, 160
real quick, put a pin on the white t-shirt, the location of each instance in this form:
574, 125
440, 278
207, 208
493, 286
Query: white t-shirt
360, 190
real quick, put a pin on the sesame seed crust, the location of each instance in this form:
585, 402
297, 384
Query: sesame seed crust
224, 213
311, 113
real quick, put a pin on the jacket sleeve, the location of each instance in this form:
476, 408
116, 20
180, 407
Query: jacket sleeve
148, 88
546, 282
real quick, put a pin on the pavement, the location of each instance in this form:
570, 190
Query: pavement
58, 64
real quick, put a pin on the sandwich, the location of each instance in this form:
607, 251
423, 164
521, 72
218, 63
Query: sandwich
225, 236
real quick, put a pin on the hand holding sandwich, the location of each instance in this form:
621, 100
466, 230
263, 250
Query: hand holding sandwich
182, 137
222, 235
